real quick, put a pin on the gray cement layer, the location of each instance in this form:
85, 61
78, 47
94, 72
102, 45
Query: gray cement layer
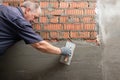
22, 62
108, 12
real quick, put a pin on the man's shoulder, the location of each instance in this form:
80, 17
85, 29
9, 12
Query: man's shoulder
12, 9
11, 12
8, 9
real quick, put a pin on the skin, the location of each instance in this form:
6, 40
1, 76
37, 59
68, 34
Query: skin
42, 45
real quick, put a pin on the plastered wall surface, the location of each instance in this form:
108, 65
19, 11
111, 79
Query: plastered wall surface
22, 62
109, 22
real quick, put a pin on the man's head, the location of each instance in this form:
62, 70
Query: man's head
31, 10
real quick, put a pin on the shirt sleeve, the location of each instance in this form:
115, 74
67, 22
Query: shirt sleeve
26, 32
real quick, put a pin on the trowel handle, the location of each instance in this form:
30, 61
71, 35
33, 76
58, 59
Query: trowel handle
66, 58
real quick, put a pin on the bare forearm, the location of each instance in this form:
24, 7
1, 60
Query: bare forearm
46, 47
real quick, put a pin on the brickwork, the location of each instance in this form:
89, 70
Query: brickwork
65, 19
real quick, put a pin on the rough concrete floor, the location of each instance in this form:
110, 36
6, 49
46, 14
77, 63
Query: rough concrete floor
22, 62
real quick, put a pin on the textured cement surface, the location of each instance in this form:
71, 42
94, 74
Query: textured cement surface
109, 22
22, 62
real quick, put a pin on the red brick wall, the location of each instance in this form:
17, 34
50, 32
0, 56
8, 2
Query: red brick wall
66, 20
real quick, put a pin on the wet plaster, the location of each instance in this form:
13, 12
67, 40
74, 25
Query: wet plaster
108, 12
22, 62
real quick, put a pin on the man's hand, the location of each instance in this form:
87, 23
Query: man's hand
65, 51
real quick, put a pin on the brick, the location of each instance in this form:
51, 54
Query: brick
65, 35
88, 19
89, 27
76, 20
63, 19
43, 19
73, 26
54, 20
53, 27
54, 35
64, 5
45, 35
37, 26
44, 4
73, 19
92, 4
74, 12
90, 11
83, 35
93, 35
78, 4
54, 12
49, 4
66, 19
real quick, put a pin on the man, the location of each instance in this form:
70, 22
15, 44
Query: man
15, 25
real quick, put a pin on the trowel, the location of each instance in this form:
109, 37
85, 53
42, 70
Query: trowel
67, 59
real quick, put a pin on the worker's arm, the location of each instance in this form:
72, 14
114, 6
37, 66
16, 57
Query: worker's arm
48, 48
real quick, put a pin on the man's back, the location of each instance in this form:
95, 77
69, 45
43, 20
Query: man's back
8, 34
